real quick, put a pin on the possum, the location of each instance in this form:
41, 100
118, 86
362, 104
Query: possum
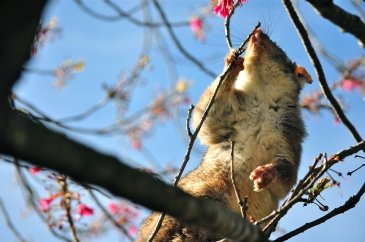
257, 109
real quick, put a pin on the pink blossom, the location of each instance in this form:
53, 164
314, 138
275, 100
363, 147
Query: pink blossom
136, 144
196, 26
337, 120
132, 230
84, 210
186, 100
350, 83
224, 7
34, 170
76, 196
113, 208
45, 203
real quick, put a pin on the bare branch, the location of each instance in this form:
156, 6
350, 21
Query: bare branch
178, 44
349, 204
348, 22
31, 197
68, 157
318, 67
9, 223
227, 26
67, 206
239, 200
122, 14
307, 182
109, 216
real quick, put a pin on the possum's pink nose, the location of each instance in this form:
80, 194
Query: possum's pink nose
256, 35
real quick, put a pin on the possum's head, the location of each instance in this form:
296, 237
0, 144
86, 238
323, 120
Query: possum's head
265, 61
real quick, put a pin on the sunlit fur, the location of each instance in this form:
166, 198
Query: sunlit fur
256, 108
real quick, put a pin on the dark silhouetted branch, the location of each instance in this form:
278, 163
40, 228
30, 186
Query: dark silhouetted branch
348, 22
349, 204
23, 138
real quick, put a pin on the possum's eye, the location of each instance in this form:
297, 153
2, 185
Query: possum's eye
302, 74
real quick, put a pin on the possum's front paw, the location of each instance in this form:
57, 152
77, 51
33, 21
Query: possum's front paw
230, 57
262, 176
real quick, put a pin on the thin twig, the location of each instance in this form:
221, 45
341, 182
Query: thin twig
349, 204
122, 14
9, 223
195, 134
305, 184
86, 113
188, 130
30, 198
319, 71
109, 216
67, 206
351, 172
239, 200
227, 26
178, 44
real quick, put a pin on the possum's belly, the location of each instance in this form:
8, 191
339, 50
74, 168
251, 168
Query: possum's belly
258, 143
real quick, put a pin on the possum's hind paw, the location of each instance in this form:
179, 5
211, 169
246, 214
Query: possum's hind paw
262, 176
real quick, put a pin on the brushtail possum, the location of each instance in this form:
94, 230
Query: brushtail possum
257, 108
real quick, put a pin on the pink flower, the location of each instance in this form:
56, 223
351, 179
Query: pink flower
132, 230
45, 203
196, 26
350, 83
224, 7
337, 120
136, 144
113, 208
84, 210
34, 170
76, 196
186, 100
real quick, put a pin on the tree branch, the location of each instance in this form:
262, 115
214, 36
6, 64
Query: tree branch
124, 14
348, 22
349, 204
307, 183
22, 138
319, 71
18, 23
178, 44
109, 216
9, 223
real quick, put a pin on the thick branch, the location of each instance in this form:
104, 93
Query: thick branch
32, 142
18, 23
348, 22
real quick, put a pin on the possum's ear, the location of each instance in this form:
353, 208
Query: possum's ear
302, 75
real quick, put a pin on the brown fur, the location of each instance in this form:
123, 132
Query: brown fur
256, 108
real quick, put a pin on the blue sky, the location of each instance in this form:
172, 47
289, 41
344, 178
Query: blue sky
112, 48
